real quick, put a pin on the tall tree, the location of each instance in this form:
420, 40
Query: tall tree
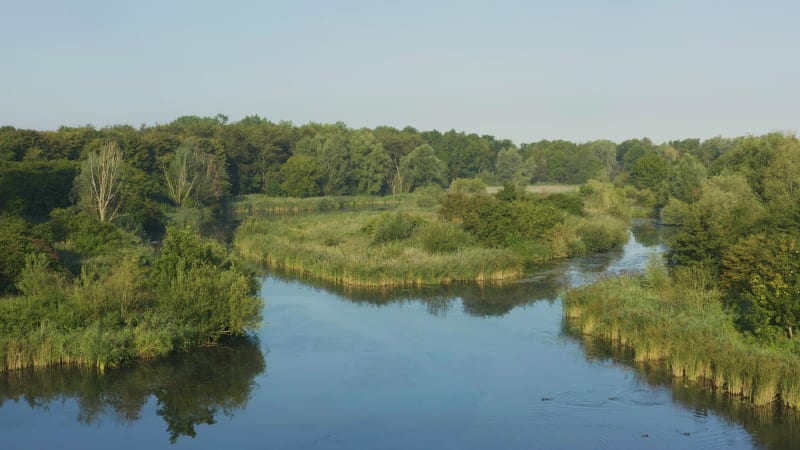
184, 172
422, 167
98, 183
508, 164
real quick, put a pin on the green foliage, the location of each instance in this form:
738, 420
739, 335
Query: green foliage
338, 247
676, 212
33, 188
98, 184
508, 164
649, 171
761, 274
85, 234
467, 186
559, 162
396, 226
37, 277
685, 179
421, 167
495, 222
443, 237
571, 203
727, 208
509, 192
302, 176
685, 326
628, 152
121, 306
16, 243
601, 234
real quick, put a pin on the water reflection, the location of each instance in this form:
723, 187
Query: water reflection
189, 389
770, 427
477, 300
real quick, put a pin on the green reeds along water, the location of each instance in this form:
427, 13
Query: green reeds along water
687, 329
261, 205
340, 248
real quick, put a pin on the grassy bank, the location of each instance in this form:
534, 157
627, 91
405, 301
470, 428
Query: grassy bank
338, 247
684, 325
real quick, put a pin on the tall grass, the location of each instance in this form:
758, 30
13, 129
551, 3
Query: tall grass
685, 326
335, 247
259, 204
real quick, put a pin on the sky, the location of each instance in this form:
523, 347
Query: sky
524, 70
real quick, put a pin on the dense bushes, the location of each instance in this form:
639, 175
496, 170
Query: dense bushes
397, 226
443, 237
129, 304
495, 222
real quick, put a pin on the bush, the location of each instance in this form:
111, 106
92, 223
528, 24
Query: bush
443, 237
602, 234
467, 186
429, 196
394, 227
571, 203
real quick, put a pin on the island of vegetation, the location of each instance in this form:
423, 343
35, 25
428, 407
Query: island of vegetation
122, 243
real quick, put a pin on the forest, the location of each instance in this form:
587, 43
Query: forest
105, 232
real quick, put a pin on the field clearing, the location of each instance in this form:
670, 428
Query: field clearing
541, 188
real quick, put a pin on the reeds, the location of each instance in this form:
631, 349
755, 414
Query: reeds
690, 332
261, 205
335, 247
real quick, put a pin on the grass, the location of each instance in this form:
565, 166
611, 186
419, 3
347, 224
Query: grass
686, 328
541, 188
347, 244
335, 247
259, 204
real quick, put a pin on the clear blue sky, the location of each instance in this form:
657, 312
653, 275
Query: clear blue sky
524, 70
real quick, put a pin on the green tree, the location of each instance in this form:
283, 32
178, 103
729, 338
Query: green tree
508, 165
649, 171
421, 167
302, 176
685, 178
193, 172
726, 210
761, 273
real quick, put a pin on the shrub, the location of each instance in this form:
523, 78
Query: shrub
467, 186
443, 237
569, 202
429, 196
395, 227
602, 234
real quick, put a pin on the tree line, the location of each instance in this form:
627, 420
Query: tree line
734, 199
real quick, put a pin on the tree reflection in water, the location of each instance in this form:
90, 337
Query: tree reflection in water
189, 388
771, 427
476, 299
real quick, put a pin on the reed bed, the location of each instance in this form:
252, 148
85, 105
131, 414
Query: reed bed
690, 332
334, 247
259, 204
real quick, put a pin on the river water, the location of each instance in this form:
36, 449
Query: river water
458, 367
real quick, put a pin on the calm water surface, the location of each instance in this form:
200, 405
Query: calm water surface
458, 367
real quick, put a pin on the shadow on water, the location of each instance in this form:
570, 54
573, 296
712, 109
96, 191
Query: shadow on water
771, 428
477, 300
190, 389
544, 282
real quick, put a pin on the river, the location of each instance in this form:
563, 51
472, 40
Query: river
458, 367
